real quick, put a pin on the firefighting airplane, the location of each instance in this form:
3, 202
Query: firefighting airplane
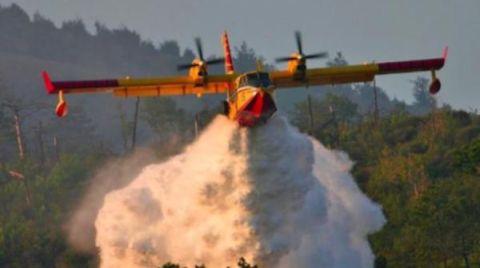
249, 95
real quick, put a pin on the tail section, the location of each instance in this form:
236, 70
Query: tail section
228, 55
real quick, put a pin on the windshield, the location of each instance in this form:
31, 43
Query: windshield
256, 80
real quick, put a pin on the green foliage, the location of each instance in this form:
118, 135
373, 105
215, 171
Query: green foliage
174, 127
423, 170
420, 162
31, 228
330, 116
467, 159
164, 117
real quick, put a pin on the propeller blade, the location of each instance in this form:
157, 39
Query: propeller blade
316, 56
299, 56
215, 61
298, 39
284, 59
198, 44
185, 66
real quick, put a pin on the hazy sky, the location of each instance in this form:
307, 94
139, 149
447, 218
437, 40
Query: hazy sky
364, 30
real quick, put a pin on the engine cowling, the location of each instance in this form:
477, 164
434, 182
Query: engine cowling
435, 86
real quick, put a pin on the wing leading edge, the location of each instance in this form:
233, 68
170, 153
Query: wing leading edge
355, 73
126, 87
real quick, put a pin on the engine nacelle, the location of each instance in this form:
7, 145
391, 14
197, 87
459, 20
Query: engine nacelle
435, 86
297, 66
198, 71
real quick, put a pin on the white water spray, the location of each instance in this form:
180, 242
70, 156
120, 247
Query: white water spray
269, 194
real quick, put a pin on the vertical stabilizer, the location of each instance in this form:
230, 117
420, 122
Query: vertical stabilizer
228, 55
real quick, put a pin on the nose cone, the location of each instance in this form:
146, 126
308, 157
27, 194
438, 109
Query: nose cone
260, 107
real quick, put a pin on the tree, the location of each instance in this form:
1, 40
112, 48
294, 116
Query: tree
328, 115
75, 133
6, 136
173, 126
163, 116
242, 263
446, 221
424, 101
467, 159
246, 59
338, 60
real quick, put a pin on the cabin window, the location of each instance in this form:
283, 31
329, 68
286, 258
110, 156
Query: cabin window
243, 82
258, 79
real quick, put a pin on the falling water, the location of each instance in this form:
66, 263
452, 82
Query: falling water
269, 194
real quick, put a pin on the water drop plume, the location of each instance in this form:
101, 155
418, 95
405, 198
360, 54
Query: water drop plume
269, 194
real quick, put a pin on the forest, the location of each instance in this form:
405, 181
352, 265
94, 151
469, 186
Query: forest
420, 161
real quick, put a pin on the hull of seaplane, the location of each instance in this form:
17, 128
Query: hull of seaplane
256, 108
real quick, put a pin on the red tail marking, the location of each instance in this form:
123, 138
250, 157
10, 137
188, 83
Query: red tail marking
228, 55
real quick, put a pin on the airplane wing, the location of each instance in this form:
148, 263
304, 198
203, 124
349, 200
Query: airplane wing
356, 73
140, 87
128, 87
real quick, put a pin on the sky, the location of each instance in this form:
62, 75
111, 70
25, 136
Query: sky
366, 30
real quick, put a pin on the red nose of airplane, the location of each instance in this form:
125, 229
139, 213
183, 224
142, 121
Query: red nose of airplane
260, 107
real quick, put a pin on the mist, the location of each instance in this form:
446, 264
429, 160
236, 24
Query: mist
269, 194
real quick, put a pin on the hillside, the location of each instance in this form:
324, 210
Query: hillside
419, 161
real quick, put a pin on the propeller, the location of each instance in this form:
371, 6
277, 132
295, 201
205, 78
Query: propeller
201, 60
300, 56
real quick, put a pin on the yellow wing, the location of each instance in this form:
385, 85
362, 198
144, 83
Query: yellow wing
325, 76
156, 86
352, 73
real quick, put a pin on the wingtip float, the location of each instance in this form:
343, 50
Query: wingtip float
248, 95
62, 108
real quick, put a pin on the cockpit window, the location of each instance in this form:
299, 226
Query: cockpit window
258, 79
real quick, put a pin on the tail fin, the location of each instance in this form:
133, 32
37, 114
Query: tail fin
228, 55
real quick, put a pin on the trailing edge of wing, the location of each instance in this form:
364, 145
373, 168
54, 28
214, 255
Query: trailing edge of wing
356, 73
165, 85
